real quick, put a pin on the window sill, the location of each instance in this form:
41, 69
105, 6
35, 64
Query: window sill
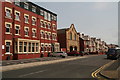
26, 36
34, 37
42, 38
8, 17
27, 22
7, 53
17, 34
8, 33
33, 24
17, 20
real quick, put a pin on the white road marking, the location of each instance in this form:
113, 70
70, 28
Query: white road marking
31, 73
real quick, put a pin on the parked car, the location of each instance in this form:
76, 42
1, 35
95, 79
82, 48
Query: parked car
113, 53
59, 54
74, 53
84, 53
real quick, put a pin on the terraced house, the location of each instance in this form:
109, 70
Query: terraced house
28, 30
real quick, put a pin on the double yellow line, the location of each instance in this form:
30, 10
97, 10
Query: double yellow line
94, 74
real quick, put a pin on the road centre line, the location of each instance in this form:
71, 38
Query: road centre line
32, 73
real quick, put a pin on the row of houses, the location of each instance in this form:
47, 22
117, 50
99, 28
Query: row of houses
70, 40
30, 31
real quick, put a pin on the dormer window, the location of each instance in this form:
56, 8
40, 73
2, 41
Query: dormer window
26, 6
33, 9
41, 12
17, 2
45, 15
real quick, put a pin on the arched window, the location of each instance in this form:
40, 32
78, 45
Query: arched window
70, 36
75, 37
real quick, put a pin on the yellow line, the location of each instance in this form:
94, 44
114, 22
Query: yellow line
94, 74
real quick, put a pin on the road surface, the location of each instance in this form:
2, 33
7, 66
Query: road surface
80, 68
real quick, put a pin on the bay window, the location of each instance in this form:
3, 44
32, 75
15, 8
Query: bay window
20, 46
37, 47
33, 47
25, 46
29, 47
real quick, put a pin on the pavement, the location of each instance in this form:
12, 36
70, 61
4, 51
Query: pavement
111, 70
23, 61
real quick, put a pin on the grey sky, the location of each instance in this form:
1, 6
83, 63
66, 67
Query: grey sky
97, 19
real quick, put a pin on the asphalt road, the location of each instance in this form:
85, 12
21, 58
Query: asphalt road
80, 68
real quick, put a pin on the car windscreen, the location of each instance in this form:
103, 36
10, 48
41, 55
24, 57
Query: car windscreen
118, 51
111, 51
59, 52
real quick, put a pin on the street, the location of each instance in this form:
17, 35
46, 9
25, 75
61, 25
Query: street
80, 68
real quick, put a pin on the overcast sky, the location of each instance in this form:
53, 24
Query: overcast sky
97, 19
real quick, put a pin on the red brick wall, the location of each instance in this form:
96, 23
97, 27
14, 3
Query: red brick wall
62, 38
22, 24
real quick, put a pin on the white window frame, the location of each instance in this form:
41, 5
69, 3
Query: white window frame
9, 27
41, 23
42, 33
26, 20
49, 25
25, 31
33, 29
8, 15
42, 46
18, 30
18, 19
7, 46
34, 20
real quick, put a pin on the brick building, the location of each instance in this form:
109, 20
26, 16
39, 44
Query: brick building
68, 39
28, 30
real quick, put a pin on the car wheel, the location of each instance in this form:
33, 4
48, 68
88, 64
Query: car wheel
63, 56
